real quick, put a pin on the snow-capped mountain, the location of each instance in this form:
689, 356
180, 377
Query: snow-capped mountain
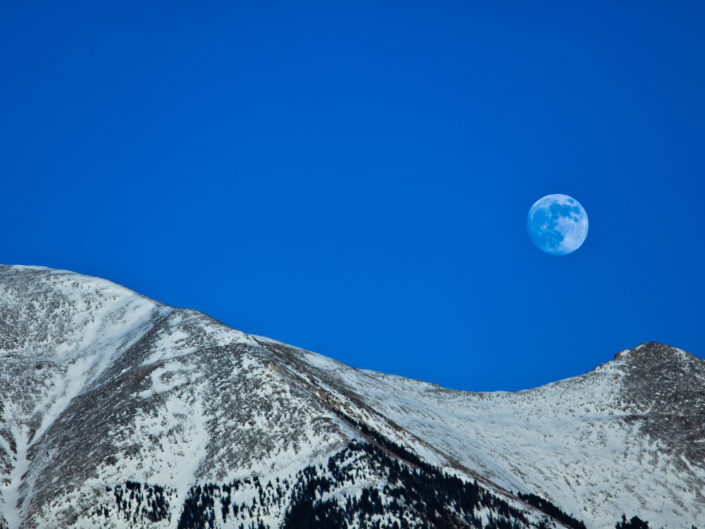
117, 411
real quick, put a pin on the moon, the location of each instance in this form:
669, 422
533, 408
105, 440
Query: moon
557, 224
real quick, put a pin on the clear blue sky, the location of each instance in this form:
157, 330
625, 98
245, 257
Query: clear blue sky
353, 177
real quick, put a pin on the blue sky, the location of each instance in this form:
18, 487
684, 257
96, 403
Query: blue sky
354, 177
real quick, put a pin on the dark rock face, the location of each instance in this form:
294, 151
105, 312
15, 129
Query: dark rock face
119, 412
665, 388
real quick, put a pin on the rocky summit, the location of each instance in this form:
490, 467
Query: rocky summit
117, 411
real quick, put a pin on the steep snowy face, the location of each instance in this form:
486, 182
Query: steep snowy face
100, 386
58, 333
117, 411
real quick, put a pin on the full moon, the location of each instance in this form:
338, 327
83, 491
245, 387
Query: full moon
557, 224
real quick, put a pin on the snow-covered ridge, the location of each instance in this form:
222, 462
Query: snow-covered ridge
100, 386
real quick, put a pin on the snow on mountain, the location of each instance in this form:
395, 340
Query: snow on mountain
118, 411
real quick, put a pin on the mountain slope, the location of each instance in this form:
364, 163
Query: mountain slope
118, 411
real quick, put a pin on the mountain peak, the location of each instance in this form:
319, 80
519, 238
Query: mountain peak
652, 351
653, 359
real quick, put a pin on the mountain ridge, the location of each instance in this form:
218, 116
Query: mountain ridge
175, 398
